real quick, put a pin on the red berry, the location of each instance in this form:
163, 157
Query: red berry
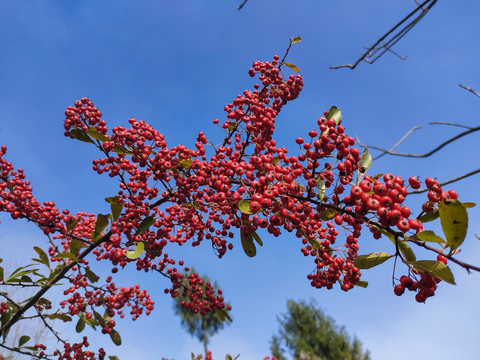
399, 290
430, 182
442, 259
414, 182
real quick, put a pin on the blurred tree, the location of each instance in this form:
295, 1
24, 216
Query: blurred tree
199, 325
308, 334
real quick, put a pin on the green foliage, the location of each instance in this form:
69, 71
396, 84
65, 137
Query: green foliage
308, 334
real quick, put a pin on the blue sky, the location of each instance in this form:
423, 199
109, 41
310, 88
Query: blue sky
176, 65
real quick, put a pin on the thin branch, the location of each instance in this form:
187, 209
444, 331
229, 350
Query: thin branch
431, 152
419, 191
395, 37
469, 89
449, 123
242, 5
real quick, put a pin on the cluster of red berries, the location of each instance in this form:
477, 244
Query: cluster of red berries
75, 352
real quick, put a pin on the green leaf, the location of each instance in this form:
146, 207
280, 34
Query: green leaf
66, 256
404, 248
60, 316
75, 246
248, 245
437, 268
100, 225
430, 216
364, 165
454, 220
71, 225
100, 319
244, 207
26, 278
186, 163
295, 40
327, 214
228, 357
81, 135
80, 324
370, 260
113, 357
320, 189
144, 225
42, 255
429, 236
23, 340
223, 315
94, 133
257, 238
139, 247
469, 205
334, 113
115, 336
116, 210
1, 273
121, 150
362, 284
91, 276
293, 67
43, 301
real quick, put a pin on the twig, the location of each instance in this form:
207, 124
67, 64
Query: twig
242, 5
371, 51
449, 123
419, 191
469, 89
456, 137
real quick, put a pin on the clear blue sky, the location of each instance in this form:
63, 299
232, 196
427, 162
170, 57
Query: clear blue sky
176, 65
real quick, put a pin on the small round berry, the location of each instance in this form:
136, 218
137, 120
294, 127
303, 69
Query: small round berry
399, 290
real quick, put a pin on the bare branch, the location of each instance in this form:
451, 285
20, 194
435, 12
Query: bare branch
387, 41
449, 123
242, 5
419, 191
469, 89
431, 152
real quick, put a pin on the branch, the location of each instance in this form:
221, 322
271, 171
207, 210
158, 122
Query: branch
469, 89
33, 300
419, 191
242, 5
371, 51
456, 137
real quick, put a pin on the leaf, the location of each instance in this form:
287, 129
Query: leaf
71, 225
43, 301
370, 260
437, 268
364, 165
75, 246
144, 225
81, 135
122, 150
113, 357
42, 255
429, 236
66, 256
248, 245
116, 210
222, 314
295, 40
320, 188
404, 248
334, 113
1, 273
228, 357
430, 216
23, 340
469, 205
100, 225
80, 324
244, 207
454, 220
115, 336
327, 214
26, 278
60, 316
257, 238
94, 133
133, 254
91, 276
100, 319
362, 284
293, 67
186, 163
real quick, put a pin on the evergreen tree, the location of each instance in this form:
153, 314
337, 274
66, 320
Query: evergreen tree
308, 334
199, 325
